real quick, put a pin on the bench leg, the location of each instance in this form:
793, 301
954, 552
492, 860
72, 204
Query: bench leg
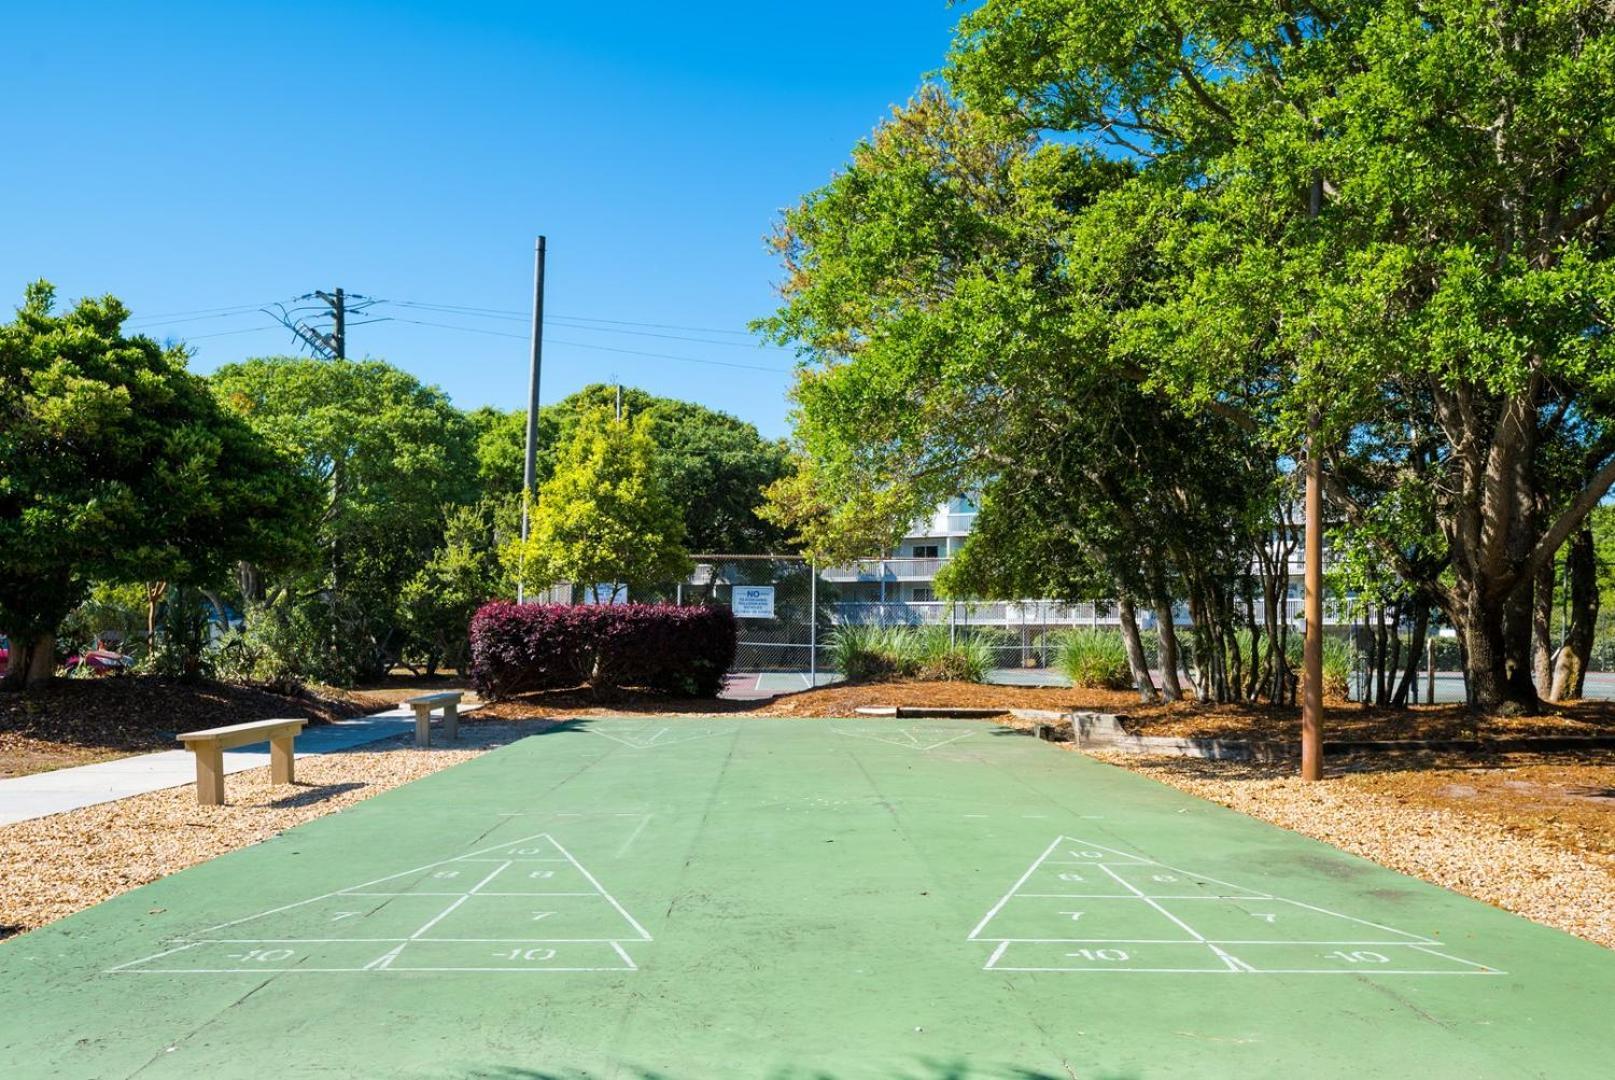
451, 721
209, 776
280, 760
423, 725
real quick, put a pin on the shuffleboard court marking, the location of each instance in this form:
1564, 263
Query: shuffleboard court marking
652, 736
424, 930
911, 738
1144, 917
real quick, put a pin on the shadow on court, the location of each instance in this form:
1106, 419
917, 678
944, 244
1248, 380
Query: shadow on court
924, 1070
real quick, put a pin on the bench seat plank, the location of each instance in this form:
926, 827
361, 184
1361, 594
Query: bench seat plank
209, 744
423, 703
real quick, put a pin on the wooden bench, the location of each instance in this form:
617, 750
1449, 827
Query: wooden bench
423, 705
210, 744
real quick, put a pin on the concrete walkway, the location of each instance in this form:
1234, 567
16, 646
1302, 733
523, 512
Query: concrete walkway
37, 795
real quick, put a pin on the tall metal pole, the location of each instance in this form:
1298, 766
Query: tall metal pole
813, 624
530, 464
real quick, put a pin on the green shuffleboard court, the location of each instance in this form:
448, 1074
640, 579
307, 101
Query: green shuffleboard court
698, 898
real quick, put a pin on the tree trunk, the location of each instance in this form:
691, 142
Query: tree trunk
1581, 573
32, 662
154, 597
1128, 618
1485, 655
1171, 689
1542, 628
1407, 689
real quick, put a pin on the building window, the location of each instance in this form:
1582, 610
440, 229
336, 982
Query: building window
927, 551
923, 594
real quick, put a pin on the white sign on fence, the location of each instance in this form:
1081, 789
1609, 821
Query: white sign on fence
605, 595
753, 602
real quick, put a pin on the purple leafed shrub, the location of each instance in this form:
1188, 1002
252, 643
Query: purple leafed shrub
675, 650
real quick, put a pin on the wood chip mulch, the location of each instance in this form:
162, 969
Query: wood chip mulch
64, 863
1189, 719
1532, 836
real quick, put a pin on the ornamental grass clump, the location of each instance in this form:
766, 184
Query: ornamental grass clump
1093, 659
875, 653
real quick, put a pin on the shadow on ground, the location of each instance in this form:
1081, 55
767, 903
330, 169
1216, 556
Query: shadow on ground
313, 793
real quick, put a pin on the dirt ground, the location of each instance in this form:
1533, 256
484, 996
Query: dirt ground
79, 721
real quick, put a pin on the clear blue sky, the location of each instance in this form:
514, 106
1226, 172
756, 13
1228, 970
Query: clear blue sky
199, 156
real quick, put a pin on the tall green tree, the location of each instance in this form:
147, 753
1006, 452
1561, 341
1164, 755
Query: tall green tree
387, 454
715, 464
117, 465
1365, 209
962, 346
605, 517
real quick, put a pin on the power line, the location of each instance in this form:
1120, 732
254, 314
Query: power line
225, 333
600, 348
233, 309
511, 314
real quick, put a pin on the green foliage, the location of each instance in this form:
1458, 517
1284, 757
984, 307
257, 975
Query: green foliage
605, 516
462, 575
280, 646
715, 464
1339, 662
873, 653
1087, 278
388, 454
118, 611
120, 466
1093, 659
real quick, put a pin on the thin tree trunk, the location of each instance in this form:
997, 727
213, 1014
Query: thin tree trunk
1581, 573
1407, 689
1128, 617
1542, 628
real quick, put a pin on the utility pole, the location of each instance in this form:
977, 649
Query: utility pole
619, 401
1312, 607
339, 316
537, 358
333, 345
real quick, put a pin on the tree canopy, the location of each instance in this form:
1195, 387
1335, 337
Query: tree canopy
1386, 221
120, 466
605, 516
387, 455
716, 463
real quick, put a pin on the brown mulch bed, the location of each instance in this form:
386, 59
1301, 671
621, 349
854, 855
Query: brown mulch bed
64, 863
1344, 720
79, 721
1534, 836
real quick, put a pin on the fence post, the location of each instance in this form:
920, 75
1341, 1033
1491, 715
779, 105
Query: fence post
813, 623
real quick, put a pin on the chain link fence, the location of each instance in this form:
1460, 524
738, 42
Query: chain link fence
788, 610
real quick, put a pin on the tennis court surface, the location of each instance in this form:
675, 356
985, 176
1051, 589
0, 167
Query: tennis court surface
713, 897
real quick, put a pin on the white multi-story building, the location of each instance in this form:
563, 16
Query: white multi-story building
901, 587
